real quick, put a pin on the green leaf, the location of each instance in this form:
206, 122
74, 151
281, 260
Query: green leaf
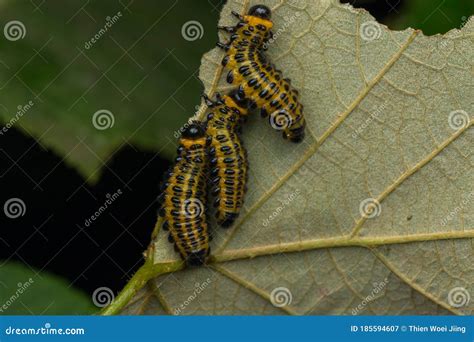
141, 71
374, 212
24, 291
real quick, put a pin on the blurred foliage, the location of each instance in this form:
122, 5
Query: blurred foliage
24, 291
437, 16
141, 69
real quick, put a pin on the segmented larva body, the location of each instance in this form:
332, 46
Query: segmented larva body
228, 157
257, 78
183, 201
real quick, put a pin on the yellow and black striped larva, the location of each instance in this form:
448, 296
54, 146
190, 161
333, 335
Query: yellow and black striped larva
257, 78
228, 157
183, 200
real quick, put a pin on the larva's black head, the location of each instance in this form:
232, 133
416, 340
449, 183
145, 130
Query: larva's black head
193, 131
228, 220
240, 100
197, 258
261, 11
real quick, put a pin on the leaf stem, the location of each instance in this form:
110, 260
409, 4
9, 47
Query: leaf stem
144, 274
148, 271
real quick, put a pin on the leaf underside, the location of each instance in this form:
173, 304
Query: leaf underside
379, 128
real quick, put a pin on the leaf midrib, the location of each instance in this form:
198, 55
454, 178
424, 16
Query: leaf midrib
335, 242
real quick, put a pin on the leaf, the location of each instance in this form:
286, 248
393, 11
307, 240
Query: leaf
24, 291
141, 71
373, 212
